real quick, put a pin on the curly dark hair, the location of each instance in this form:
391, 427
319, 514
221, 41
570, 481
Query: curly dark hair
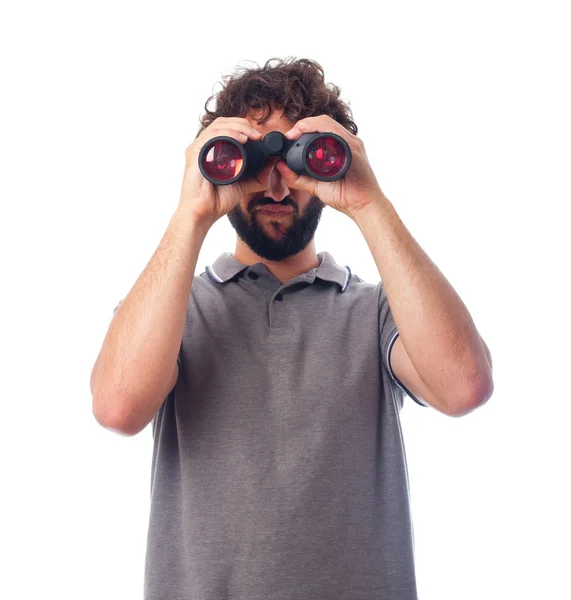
296, 86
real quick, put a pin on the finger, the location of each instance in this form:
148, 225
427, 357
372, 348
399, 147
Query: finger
258, 182
233, 119
244, 128
319, 124
241, 123
310, 124
240, 136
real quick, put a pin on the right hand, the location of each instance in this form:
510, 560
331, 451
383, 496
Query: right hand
208, 202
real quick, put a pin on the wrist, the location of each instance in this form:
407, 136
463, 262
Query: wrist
377, 203
191, 219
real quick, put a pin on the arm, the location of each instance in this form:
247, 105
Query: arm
443, 346
137, 365
404, 371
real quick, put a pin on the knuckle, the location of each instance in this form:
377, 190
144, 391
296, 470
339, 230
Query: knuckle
234, 134
229, 131
215, 132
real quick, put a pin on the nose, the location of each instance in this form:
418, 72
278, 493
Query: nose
277, 190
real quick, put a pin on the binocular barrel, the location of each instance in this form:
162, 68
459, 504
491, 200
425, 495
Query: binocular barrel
323, 156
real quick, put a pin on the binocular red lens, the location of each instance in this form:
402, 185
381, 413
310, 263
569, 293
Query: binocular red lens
223, 161
326, 157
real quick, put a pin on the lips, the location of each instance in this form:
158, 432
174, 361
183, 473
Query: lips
276, 209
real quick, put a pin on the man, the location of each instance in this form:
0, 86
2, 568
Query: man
274, 380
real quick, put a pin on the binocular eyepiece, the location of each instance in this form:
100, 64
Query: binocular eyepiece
323, 156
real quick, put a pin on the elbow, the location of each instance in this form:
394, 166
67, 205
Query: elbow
112, 420
113, 413
477, 397
479, 389
106, 407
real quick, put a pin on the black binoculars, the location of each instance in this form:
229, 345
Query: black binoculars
323, 156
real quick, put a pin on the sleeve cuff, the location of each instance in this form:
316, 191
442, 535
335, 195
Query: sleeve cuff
394, 377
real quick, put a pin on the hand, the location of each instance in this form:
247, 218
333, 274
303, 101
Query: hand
201, 199
355, 190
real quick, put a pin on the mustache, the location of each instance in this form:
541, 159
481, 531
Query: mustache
287, 201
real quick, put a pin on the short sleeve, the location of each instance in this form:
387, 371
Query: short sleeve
388, 335
118, 305
178, 358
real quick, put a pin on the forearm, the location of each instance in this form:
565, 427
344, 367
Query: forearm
131, 375
435, 326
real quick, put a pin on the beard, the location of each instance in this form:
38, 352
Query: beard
287, 240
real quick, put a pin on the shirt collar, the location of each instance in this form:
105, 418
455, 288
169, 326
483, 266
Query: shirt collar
225, 267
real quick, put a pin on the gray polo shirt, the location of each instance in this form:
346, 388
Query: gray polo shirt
279, 469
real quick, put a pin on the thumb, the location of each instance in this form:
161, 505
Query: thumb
295, 181
260, 181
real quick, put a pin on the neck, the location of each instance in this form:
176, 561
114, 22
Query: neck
282, 270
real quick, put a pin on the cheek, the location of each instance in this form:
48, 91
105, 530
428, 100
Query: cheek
247, 203
301, 199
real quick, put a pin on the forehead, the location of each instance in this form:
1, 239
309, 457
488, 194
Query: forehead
276, 122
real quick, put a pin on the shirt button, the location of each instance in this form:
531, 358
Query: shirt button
252, 275
279, 297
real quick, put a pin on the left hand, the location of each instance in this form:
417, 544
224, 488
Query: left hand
355, 190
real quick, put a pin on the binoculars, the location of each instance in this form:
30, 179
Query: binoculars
323, 156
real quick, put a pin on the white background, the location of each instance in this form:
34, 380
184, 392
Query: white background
464, 110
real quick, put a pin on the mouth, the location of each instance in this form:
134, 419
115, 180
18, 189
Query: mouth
276, 210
